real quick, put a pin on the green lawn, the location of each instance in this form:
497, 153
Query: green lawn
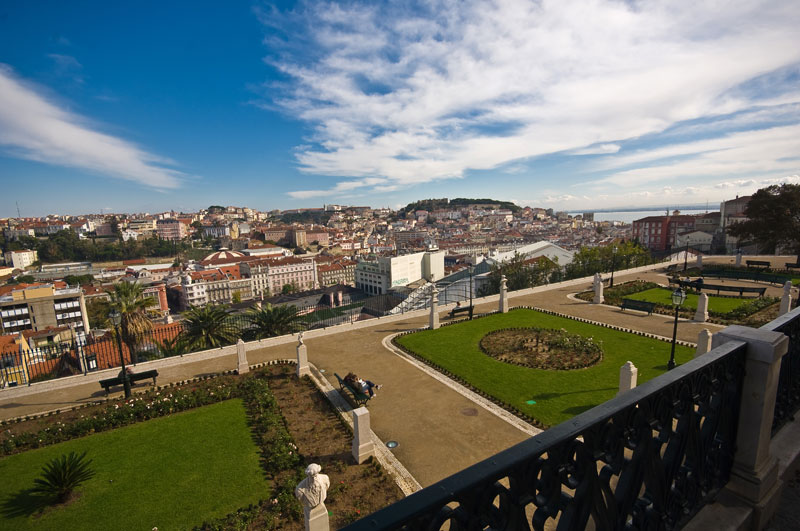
172, 473
715, 304
559, 395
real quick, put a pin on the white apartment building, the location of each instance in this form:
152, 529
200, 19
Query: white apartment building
39, 306
21, 259
388, 272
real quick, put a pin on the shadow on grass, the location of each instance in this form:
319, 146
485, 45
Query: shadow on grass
550, 396
24, 503
576, 410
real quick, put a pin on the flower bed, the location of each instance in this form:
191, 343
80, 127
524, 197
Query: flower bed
541, 348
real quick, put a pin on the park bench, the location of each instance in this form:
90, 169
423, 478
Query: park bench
757, 276
132, 377
699, 286
461, 309
790, 265
633, 304
359, 397
758, 264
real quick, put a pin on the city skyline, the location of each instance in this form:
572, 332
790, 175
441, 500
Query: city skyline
569, 105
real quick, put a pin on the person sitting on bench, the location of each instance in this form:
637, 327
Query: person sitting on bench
127, 370
366, 386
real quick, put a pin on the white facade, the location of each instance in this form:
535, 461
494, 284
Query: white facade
544, 248
395, 271
21, 259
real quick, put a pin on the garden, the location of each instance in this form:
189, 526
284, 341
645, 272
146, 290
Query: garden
222, 452
545, 396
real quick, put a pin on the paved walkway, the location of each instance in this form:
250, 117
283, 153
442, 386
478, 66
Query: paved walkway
439, 429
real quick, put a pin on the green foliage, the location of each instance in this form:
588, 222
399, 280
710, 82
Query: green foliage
23, 279
62, 475
208, 327
172, 347
317, 217
236, 297
621, 255
128, 299
78, 280
270, 321
773, 219
457, 203
288, 288
97, 309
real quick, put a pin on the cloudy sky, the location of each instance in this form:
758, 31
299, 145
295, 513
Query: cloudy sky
149, 106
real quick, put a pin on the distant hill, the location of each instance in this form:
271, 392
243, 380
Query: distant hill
457, 203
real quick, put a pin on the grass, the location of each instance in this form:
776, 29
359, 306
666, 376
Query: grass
663, 296
172, 473
559, 395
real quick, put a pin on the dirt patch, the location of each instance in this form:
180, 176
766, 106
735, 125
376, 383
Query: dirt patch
542, 348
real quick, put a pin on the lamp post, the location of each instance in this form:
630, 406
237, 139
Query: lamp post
678, 296
116, 319
613, 265
686, 255
471, 269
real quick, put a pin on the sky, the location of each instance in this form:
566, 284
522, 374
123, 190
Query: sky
151, 106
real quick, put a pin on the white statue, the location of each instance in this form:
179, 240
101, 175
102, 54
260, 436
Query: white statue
598, 280
313, 490
300, 338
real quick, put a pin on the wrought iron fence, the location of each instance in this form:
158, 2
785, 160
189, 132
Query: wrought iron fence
787, 400
99, 350
647, 459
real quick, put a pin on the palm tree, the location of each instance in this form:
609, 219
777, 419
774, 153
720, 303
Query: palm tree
172, 347
207, 327
128, 299
271, 321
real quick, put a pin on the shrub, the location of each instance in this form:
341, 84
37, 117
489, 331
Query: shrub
62, 475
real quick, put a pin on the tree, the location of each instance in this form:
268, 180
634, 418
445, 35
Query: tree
128, 299
773, 219
207, 327
270, 321
236, 297
289, 288
97, 309
172, 347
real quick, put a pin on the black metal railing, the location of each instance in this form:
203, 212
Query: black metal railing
647, 459
787, 400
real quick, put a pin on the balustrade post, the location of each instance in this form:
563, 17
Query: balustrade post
701, 315
703, 342
434, 319
628, 375
786, 300
302, 357
363, 447
241, 354
503, 295
754, 477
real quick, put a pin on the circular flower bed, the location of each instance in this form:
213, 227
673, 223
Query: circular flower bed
542, 348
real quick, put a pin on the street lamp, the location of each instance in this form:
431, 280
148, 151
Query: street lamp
685, 255
116, 319
678, 296
613, 265
471, 269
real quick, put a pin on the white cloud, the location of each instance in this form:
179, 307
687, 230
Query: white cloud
32, 127
418, 96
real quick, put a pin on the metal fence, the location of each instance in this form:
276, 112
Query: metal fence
787, 400
647, 459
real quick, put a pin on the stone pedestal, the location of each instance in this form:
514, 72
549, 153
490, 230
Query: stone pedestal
754, 477
243, 367
703, 342
628, 374
433, 322
503, 295
317, 518
701, 315
786, 299
699, 261
363, 447
738, 259
302, 357
597, 285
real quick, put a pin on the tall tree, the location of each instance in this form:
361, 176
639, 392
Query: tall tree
128, 299
773, 219
270, 321
207, 327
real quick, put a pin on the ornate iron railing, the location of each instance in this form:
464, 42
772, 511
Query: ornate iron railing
787, 400
647, 459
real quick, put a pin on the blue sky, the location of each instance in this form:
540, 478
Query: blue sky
149, 106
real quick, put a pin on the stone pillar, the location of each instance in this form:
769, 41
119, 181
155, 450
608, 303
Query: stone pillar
503, 294
316, 518
703, 342
338, 298
302, 357
434, 319
754, 477
738, 259
241, 353
628, 374
598, 289
363, 447
699, 261
330, 300
786, 300
701, 315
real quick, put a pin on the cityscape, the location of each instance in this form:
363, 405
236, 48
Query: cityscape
400, 265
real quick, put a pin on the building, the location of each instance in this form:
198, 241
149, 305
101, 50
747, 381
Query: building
388, 272
269, 276
171, 229
21, 259
659, 233
39, 306
338, 272
697, 239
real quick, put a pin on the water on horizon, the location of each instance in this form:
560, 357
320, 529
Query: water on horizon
630, 217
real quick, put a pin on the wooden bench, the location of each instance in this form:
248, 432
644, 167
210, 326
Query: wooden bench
633, 304
758, 264
757, 276
461, 309
700, 286
132, 378
359, 397
790, 265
